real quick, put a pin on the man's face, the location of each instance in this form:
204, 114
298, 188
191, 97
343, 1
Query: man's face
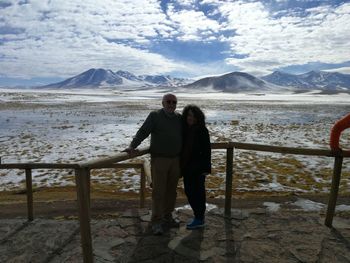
169, 103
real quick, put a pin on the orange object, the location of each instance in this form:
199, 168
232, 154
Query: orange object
336, 131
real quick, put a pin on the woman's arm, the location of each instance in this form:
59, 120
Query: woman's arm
336, 131
206, 151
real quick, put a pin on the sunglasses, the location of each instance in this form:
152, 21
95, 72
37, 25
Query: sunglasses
171, 102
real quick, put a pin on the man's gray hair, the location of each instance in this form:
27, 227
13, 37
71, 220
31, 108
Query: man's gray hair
167, 95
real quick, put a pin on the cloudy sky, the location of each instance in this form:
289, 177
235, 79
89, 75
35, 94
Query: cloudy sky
46, 40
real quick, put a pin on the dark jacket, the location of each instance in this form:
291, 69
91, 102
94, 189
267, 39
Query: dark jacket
196, 154
166, 134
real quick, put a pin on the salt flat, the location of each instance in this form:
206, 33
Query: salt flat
79, 125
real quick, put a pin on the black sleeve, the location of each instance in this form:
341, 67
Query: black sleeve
144, 131
205, 151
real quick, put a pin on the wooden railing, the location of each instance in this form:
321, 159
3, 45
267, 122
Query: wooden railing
82, 179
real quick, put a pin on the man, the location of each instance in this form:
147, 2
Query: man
164, 125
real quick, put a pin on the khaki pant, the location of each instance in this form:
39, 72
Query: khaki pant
165, 176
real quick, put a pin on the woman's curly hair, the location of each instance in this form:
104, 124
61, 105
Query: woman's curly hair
197, 112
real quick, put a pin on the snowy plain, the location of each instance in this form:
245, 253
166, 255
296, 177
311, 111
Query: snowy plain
69, 126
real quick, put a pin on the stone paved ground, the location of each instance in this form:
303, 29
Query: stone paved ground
250, 235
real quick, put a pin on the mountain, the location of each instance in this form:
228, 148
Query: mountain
127, 75
106, 78
327, 81
91, 77
232, 82
158, 79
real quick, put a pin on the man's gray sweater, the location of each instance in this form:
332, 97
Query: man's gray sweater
166, 134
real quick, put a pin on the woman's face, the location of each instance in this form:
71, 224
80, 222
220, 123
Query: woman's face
191, 120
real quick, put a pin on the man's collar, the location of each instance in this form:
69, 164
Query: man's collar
170, 114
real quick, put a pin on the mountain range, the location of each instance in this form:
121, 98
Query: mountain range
94, 78
311, 80
232, 82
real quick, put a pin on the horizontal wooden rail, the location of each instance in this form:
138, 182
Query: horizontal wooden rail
119, 165
278, 149
107, 162
82, 174
113, 159
39, 166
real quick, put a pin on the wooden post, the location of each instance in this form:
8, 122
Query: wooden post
229, 172
88, 185
81, 179
142, 187
338, 162
147, 170
29, 191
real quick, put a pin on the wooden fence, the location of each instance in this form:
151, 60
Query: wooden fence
82, 179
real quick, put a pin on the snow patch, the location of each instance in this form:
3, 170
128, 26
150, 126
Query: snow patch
342, 208
308, 205
271, 206
188, 207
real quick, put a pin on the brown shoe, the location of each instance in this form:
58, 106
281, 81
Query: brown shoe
171, 223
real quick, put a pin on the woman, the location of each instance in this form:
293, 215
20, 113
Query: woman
195, 161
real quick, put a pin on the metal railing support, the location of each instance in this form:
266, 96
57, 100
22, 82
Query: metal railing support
229, 173
142, 187
88, 185
338, 162
29, 192
82, 183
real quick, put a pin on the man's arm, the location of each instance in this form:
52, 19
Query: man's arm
336, 131
142, 133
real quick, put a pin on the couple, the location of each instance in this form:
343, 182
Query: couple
180, 146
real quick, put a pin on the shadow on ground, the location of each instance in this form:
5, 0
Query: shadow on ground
249, 235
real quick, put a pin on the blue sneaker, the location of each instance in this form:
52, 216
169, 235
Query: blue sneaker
196, 223
157, 229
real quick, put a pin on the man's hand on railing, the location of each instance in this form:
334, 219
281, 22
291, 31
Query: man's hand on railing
130, 150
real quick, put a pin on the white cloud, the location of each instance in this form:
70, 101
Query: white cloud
192, 25
344, 70
67, 57
320, 36
59, 38
64, 37
186, 3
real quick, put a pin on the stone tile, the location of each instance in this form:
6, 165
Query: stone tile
285, 236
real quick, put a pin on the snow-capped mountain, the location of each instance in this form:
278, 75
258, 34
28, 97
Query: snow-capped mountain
127, 75
91, 77
233, 82
329, 81
107, 78
157, 79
